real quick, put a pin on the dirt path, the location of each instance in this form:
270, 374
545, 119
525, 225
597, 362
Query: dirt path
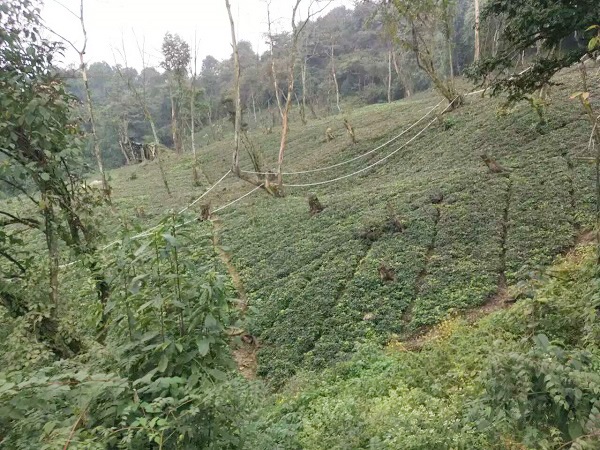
498, 301
244, 354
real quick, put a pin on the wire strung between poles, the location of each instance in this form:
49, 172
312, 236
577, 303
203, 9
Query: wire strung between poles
321, 169
385, 158
149, 231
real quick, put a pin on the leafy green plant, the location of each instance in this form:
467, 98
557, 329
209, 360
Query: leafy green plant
163, 379
543, 397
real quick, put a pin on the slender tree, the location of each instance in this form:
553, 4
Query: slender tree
297, 29
176, 53
90, 106
143, 104
193, 113
336, 85
423, 21
236, 95
389, 77
477, 48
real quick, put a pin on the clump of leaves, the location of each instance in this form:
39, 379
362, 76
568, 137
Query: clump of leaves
162, 379
543, 397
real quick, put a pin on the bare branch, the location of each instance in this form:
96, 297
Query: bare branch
64, 39
17, 220
20, 266
69, 10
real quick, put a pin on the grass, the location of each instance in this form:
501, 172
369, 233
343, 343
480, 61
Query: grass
313, 283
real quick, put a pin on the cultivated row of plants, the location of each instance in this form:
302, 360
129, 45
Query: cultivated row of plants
486, 228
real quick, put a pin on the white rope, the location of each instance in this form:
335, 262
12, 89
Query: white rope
227, 205
385, 158
206, 193
320, 169
149, 231
237, 200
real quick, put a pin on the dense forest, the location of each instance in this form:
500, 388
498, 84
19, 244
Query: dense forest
381, 233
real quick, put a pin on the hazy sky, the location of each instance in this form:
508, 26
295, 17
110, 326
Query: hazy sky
110, 23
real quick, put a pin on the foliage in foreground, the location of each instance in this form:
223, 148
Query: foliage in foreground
163, 378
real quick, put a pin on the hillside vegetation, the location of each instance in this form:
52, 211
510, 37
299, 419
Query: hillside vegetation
421, 274
466, 234
522, 378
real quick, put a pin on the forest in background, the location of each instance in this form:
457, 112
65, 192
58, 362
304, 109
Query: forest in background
346, 58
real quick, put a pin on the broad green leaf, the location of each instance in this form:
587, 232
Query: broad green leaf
210, 322
542, 341
164, 362
203, 346
49, 427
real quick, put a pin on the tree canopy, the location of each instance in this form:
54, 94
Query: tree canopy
558, 31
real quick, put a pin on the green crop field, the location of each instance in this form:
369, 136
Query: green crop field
314, 283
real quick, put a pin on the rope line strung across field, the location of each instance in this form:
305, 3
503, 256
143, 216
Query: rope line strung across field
205, 194
221, 208
321, 169
385, 158
150, 230
237, 200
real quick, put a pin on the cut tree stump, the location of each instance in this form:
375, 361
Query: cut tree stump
386, 273
205, 212
314, 205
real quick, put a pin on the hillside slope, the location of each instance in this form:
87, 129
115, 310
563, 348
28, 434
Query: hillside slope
314, 284
474, 386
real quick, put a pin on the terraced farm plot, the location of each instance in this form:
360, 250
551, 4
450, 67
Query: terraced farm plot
315, 284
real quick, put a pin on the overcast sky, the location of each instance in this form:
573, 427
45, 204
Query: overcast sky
111, 22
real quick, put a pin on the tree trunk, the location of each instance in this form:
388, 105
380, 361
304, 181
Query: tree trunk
193, 131
236, 94
425, 62
52, 246
122, 146
288, 101
407, 85
254, 108
477, 54
273, 68
124, 141
312, 110
238, 107
174, 125
335, 82
450, 51
157, 150
96, 144
195, 174
303, 105
495, 41
389, 87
